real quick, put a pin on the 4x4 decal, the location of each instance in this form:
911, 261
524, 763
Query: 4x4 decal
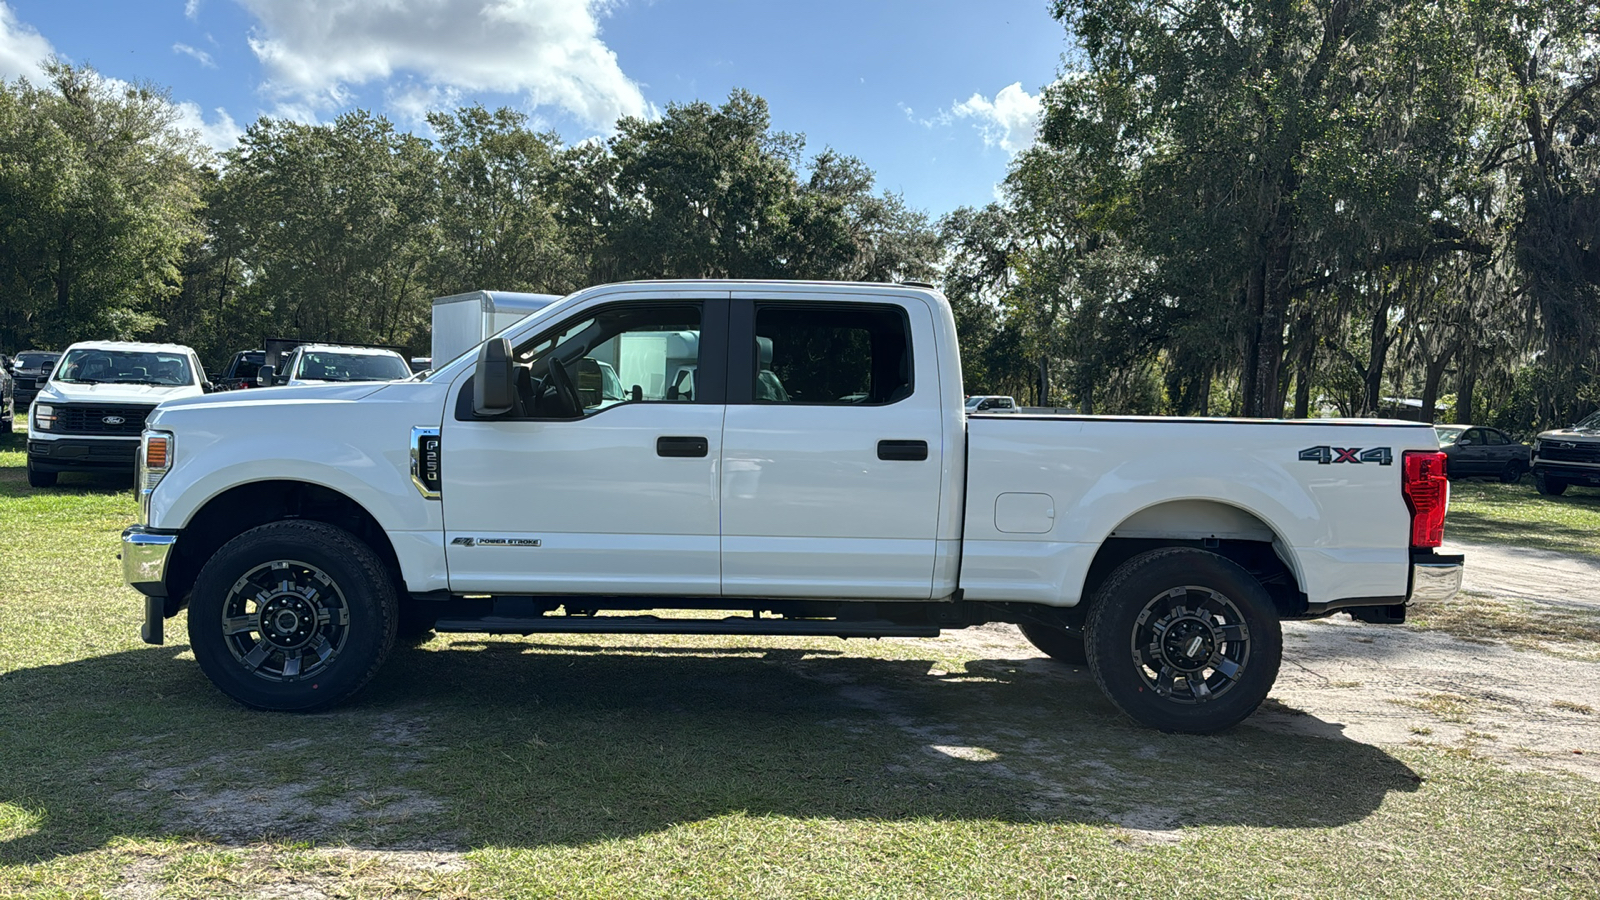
1326, 455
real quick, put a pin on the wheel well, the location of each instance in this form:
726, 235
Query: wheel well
239, 509
1227, 531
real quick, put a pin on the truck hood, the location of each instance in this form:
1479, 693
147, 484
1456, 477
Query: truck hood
308, 393
1570, 434
149, 394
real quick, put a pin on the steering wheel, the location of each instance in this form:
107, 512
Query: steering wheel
566, 391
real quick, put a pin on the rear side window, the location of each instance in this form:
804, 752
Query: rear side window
832, 355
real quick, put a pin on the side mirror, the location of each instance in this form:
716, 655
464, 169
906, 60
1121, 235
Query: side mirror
264, 376
590, 382
1465, 443
494, 387
207, 387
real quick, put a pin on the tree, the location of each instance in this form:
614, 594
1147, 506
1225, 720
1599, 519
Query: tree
98, 190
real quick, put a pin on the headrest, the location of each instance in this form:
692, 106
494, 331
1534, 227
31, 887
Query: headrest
763, 353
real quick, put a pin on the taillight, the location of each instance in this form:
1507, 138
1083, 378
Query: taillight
1427, 494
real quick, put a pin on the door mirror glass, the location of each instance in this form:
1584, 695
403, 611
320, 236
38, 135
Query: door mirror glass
264, 376
494, 386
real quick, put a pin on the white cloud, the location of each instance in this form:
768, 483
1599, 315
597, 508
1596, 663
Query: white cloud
191, 9
219, 134
22, 49
1009, 121
200, 56
316, 51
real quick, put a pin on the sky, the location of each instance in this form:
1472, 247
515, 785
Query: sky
936, 96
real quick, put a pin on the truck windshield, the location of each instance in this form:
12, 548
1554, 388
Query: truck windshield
34, 360
326, 365
92, 366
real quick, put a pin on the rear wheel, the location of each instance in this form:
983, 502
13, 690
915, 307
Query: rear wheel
1055, 642
1548, 486
293, 616
1184, 640
1512, 472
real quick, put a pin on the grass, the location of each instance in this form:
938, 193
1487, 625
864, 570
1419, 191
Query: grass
684, 767
1490, 512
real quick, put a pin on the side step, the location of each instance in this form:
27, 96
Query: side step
656, 625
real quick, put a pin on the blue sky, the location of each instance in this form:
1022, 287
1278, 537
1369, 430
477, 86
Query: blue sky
936, 96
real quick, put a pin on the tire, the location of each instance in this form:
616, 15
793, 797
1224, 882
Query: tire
1177, 610
1550, 487
1512, 473
40, 479
1057, 643
292, 616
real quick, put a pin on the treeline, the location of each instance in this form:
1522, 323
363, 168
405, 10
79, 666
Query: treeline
1262, 207
1238, 207
117, 224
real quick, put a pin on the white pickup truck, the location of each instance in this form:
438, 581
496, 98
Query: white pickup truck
820, 478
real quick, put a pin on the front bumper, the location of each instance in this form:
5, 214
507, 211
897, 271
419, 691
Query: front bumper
83, 455
1435, 577
145, 555
1575, 474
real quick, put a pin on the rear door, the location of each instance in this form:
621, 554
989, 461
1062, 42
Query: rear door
832, 455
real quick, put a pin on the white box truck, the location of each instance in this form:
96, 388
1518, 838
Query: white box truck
463, 321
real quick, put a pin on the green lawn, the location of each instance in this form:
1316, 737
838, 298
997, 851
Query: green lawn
638, 767
1489, 512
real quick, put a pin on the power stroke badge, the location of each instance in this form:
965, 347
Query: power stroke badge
1326, 455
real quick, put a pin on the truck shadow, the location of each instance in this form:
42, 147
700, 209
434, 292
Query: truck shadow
527, 743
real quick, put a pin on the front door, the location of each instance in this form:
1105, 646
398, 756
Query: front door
619, 496
832, 452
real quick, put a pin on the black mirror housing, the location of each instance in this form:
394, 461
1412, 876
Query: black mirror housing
494, 386
264, 376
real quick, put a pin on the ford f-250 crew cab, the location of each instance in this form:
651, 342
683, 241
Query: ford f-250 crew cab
821, 478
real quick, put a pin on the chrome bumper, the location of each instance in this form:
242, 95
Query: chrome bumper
144, 567
1436, 579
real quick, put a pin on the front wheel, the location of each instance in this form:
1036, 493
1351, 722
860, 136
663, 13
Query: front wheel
40, 479
1184, 640
292, 616
1550, 487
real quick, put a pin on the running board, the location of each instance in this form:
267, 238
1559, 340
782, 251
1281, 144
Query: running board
656, 625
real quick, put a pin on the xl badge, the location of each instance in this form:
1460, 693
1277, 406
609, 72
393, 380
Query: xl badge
1326, 455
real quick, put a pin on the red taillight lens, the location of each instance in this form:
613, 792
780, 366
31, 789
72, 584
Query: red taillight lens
1427, 495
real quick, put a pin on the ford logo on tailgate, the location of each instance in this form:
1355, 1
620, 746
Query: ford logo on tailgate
113, 420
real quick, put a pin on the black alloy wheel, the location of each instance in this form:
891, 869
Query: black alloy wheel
293, 615
1184, 640
1512, 472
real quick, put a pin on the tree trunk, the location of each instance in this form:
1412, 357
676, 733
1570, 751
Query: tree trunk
1430, 383
1466, 389
1304, 364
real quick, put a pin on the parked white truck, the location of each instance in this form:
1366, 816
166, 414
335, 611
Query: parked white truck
821, 478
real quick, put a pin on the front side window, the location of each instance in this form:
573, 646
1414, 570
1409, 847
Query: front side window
630, 354
836, 356
330, 365
90, 366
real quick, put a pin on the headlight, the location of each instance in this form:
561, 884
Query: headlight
42, 417
155, 460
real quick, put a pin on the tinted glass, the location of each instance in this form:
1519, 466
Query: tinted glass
831, 355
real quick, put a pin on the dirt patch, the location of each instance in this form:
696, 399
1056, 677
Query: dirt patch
1397, 685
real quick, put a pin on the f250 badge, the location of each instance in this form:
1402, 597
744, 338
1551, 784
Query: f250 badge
1326, 455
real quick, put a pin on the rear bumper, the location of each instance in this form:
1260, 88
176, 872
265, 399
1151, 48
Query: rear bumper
83, 455
1435, 577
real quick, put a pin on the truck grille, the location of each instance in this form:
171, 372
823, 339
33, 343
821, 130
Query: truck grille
83, 419
26, 384
1552, 451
